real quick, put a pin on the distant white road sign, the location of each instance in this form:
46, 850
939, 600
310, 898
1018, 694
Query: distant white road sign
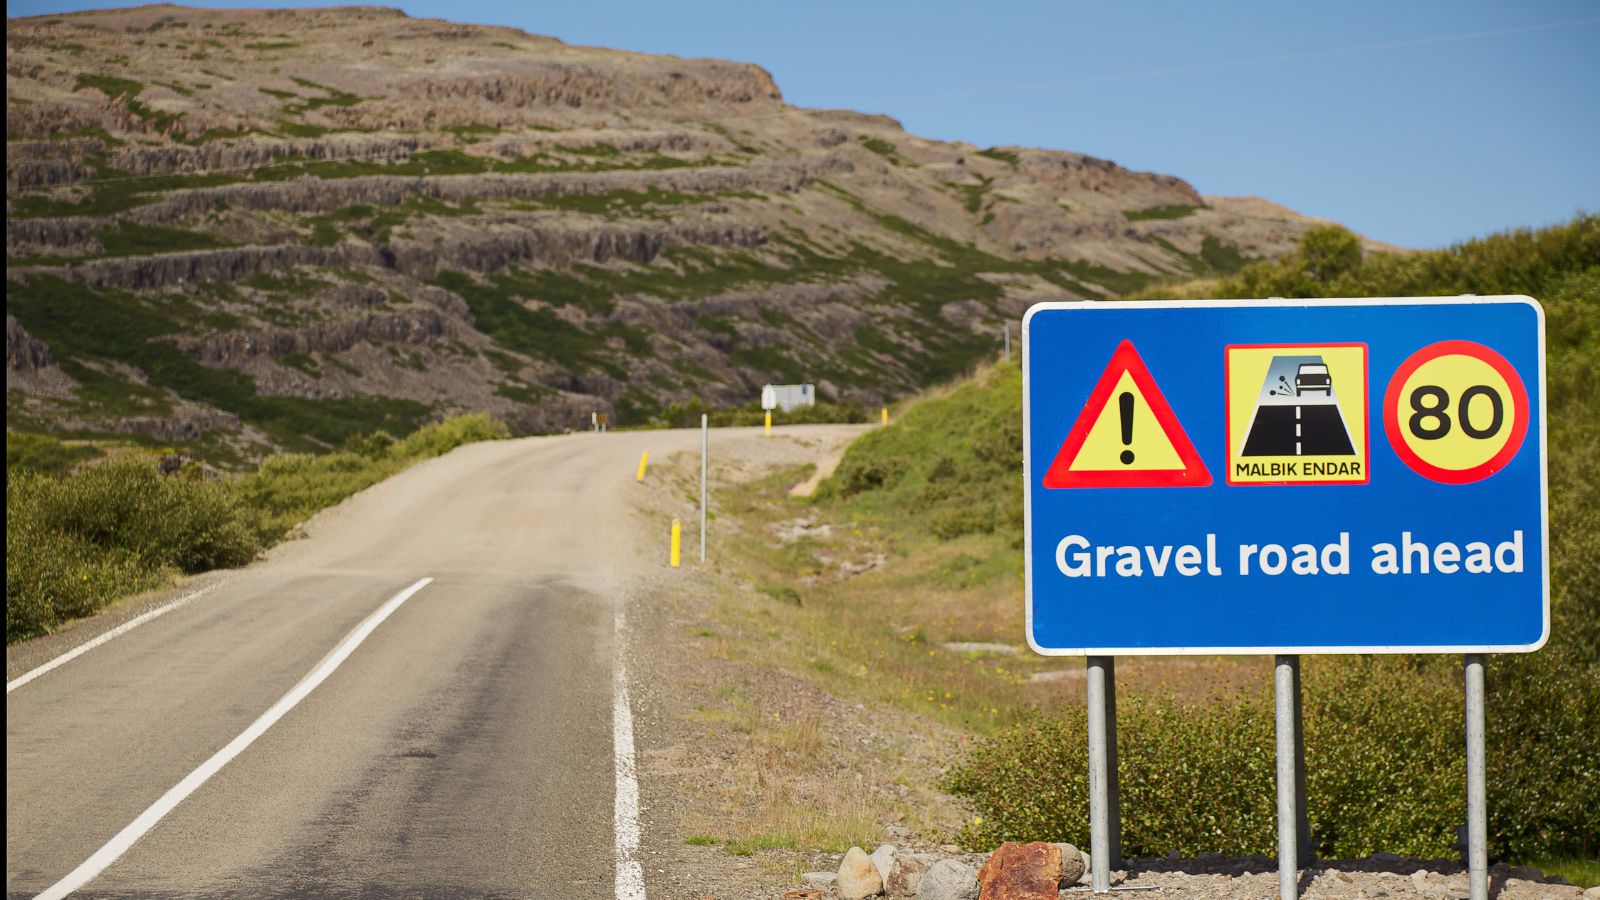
788, 397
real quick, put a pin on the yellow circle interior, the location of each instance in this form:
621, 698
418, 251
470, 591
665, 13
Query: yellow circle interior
1456, 374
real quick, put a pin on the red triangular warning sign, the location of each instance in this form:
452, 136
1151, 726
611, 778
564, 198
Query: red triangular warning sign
1127, 435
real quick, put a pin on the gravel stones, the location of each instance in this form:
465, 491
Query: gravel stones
907, 872
1025, 871
949, 879
883, 859
1074, 863
821, 880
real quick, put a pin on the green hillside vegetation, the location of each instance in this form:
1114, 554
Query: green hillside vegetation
77, 542
1384, 734
96, 330
107, 326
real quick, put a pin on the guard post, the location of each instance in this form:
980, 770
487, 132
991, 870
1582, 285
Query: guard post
1281, 478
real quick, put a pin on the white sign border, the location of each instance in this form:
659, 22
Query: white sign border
1278, 303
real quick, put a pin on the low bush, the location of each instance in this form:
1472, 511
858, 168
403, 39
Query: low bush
1186, 783
288, 488
52, 576
951, 462
184, 522
43, 453
73, 543
1384, 767
1544, 760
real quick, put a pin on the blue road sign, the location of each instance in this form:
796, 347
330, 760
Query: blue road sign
1308, 476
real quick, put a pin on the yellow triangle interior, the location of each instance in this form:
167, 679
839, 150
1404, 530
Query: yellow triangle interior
1102, 450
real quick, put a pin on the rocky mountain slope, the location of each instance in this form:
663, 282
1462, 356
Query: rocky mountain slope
250, 230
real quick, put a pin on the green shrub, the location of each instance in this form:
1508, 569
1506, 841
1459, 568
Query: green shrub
1385, 764
44, 453
75, 542
861, 472
1172, 211
1544, 760
951, 461
1385, 769
371, 445
1192, 779
1329, 263
182, 522
288, 488
442, 437
52, 576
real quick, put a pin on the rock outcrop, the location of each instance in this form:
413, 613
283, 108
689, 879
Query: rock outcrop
311, 194
23, 353
232, 348
384, 208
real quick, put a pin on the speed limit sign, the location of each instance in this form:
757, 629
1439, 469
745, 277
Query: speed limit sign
1456, 412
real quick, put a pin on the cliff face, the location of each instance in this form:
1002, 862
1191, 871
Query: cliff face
276, 228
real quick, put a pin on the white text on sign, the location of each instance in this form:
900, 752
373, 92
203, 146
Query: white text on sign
1077, 557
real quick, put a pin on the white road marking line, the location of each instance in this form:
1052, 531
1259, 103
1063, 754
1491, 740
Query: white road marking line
625, 810
169, 801
116, 632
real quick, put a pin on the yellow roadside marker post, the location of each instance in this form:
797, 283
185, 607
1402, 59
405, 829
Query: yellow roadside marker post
886, 415
768, 431
644, 460
677, 540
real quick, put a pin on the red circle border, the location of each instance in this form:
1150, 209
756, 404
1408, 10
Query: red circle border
1519, 424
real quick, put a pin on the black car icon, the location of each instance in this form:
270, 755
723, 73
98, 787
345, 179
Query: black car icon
1312, 377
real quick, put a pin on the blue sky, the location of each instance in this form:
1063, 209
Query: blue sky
1416, 123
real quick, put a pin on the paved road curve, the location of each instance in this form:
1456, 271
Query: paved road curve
463, 749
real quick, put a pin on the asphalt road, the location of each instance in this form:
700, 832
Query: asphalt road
1309, 429
464, 749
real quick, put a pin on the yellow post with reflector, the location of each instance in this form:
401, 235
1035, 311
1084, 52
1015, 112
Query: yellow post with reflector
886, 415
768, 429
644, 460
677, 541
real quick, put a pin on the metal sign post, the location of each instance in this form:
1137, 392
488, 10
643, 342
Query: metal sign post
705, 443
1477, 788
1008, 343
1281, 478
1105, 812
1099, 783
1302, 821
1295, 847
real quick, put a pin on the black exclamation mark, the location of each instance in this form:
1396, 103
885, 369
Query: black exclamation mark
1125, 406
